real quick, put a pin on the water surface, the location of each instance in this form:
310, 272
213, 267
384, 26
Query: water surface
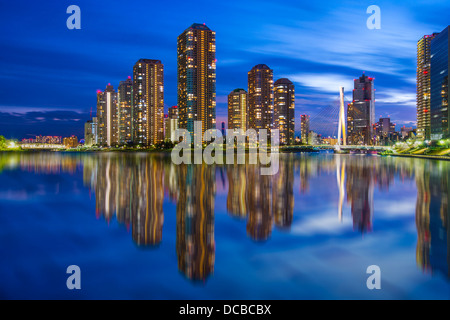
140, 227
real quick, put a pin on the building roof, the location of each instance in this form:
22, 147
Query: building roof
283, 81
261, 66
150, 61
199, 26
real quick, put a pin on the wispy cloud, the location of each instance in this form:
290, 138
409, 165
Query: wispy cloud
398, 97
340, 38
329, 83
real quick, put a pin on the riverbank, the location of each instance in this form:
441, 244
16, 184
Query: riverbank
429, 157
421, 152
293, 149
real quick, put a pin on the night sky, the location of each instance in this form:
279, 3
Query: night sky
49, 74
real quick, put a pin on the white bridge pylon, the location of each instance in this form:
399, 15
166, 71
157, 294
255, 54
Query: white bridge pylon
342, 129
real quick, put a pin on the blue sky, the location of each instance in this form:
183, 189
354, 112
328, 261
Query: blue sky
49, 75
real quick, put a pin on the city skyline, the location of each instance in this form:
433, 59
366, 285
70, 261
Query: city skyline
275, 42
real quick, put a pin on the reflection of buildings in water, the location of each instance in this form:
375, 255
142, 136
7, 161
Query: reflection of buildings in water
237, 191
195, 220
423, 218
360, 193
132, 188
222, 172
262, 199
147, 212
40, 162
384, 175
259, 224
304, 177
283, 193
105, 204
432, 218
170, 181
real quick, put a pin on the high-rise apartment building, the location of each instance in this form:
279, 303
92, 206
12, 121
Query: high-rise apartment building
125, 108
423, 87
237, 110
107, 116
439, 83
361, 113
196, 50
148, 101
284, 110
90, 132
304, 128
171, 124
260, 98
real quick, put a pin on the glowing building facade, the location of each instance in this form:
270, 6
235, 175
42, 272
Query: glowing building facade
304, 123
125, 108
361, 113
148, 101
197, 77
284, 110
439, 83
260, 98
107, 116
237, 110
423, 87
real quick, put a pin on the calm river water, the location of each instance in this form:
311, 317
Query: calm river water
140, 227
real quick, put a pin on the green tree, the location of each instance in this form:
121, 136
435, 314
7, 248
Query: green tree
2, 143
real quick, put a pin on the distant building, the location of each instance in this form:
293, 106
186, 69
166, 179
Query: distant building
223, 129
90, 132
171, 124
238, 110
330, 141
314, 139
260, 98
385, 131
423, 87
284, 110
148, 101
361, 113
406, 132
48, 139
384, 127
125, 111
197, 78
304, 122
71, 142
107, 116
439, 83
